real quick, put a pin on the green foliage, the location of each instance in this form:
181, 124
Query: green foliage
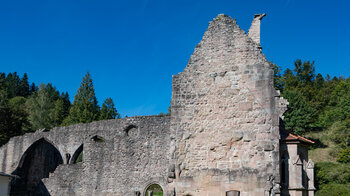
278, 80
10, 121
23, 87
59, 112
305, 71
332, 178
79, 158
330, 172
320, 106
11, 84
40, 107
340, 133
300, 115
84, 108
344, 155
66, 103
157, 190
108, 111
18, 109
166, 114
333, 189
25, 108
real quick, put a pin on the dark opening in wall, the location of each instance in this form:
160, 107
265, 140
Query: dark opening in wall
232, 193
154, 190
284, 170
128, 129
37, 162
78, 155
98, 139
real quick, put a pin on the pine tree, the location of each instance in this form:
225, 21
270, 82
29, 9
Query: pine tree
33, 88
23, 88
2, 81
12, 83
66, 103
108, 110
84, 108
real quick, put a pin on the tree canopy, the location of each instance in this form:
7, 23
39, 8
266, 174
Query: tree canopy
26, 108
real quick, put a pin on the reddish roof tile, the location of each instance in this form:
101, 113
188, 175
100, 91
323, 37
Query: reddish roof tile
297, 137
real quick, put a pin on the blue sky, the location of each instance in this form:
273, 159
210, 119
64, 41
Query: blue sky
132, 48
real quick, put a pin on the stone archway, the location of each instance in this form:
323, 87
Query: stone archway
37, 162
154, 189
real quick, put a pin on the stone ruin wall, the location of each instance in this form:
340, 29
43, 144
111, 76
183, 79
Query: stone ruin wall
133, 154
225, 117
223, 133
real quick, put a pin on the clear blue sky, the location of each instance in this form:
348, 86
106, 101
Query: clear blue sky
132, 48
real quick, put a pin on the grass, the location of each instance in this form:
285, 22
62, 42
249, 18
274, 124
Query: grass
323, 149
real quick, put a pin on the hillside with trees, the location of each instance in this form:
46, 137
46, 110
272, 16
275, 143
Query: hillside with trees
319, 109
26, 108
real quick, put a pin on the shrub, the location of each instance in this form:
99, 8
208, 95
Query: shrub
334, 190
330, 172
344, 155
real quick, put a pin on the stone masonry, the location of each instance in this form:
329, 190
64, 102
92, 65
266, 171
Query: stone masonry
224, 136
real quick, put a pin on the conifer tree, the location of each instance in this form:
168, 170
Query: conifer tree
12, 83
108, 110
32, 89
84, 108
23, 88
66, 103
2, 81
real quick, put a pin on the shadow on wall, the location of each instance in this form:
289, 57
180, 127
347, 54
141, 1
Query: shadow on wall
37, 162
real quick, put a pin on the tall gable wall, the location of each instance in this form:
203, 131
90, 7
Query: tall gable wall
225, 116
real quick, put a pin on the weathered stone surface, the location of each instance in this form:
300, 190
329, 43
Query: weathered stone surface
119, 165
237, 104
222, 138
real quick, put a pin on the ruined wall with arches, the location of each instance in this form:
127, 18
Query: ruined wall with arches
223, 137
114, 153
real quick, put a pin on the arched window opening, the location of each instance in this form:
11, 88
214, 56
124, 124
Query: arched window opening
78, 155
130, 127
37, 162
154, 190
98, 139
